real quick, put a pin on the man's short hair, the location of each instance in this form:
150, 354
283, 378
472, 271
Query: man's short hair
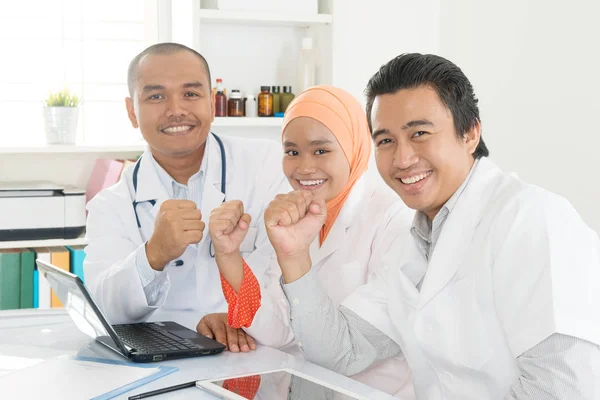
160, 48
411, 70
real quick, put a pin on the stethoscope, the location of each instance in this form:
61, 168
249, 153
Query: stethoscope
136, 169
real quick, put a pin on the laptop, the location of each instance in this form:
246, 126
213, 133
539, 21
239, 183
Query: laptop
139, 342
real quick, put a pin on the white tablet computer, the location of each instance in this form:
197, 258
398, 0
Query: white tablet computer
281, 384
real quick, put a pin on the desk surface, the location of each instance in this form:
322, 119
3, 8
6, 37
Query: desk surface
45, 334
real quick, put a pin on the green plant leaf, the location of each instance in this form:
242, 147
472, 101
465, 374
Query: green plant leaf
63, 98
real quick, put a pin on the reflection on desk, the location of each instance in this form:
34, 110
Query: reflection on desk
27, 335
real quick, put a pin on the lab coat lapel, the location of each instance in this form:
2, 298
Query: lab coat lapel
149, 185
408, 264
336, 238
459, 230
212, 196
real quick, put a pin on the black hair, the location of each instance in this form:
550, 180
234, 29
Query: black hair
160, 48
411, 70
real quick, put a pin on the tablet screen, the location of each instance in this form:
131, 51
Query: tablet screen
279, 385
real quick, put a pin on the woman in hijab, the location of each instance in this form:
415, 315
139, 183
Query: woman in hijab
327, 145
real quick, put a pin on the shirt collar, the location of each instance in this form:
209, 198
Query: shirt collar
421, 224
167, 180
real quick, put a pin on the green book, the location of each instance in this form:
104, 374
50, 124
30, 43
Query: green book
10, 279
27, 267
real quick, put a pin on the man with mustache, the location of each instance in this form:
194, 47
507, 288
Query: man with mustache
149, 254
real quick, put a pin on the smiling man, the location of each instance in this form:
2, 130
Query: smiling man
149, 254
494, 295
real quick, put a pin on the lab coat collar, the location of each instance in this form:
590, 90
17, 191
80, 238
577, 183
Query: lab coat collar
354, 205
459, 230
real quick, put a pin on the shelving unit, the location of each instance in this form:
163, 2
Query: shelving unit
42, 243
219, 122
249, 49
248, 122
70, 149
264, 18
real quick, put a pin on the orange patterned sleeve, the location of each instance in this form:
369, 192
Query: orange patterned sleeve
242, 306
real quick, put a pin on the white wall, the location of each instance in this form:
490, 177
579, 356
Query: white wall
535, 65
367, 34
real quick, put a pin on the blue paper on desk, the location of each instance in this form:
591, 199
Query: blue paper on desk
162, 371
68, 378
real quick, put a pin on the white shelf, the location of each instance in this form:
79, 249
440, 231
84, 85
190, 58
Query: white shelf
264, 18
248, 122
62, 149
229, 122
42, 243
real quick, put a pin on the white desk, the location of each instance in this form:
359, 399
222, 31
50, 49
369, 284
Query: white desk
44, 334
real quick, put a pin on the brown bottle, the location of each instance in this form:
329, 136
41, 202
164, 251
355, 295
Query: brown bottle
235, 104
220, 100
265, 102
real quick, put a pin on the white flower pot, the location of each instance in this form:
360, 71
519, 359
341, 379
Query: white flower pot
61, 124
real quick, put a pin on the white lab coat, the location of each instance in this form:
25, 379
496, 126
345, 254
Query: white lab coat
513, 265
367, 227
253, 175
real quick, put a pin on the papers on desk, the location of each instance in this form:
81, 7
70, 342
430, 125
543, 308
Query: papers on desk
68, 378
9, 364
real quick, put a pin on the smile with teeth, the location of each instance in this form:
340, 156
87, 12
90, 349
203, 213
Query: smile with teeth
177, 129
315, 182
415, 179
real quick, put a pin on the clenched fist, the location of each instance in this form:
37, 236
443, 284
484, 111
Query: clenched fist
293, 221
177, 225
228, 225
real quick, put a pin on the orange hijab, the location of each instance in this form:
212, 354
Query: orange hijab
339, 111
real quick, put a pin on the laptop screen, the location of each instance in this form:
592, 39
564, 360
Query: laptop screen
84, 314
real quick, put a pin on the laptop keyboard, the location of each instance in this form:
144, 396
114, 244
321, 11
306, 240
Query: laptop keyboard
149, 338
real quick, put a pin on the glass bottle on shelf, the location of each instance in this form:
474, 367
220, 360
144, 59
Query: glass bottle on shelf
265, 102
220, 100
276, 99
307, 64
235, 104
286, 97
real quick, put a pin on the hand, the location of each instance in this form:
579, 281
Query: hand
177, 225
215, 327
293, 221
228, 225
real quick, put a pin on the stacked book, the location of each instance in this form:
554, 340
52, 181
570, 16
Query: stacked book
21, 286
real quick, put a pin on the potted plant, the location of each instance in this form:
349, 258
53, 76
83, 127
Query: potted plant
60, 117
